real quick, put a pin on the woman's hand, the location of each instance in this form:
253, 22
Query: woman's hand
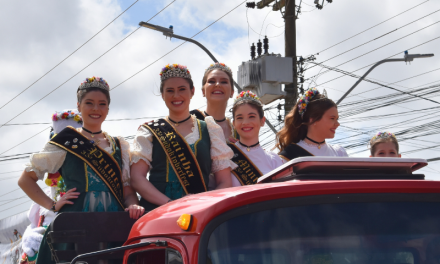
65, 199
135, 211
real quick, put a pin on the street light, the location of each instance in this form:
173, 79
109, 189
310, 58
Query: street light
406, 58
169, 32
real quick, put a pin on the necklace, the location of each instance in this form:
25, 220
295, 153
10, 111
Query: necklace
206, 114
319, 143
180, 122
92, 134
248, 148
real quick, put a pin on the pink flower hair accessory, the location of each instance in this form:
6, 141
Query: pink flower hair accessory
305, 99
246, 95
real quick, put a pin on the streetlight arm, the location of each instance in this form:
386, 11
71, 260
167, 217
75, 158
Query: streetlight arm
170, 33
365, 75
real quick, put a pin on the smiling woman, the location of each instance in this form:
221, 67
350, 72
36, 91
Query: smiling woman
313, 120
217, 87
179, 151
94, 165
252, 160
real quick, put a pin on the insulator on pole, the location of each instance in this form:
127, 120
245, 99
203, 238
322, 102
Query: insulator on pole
250, 5
266, 45
253, 51
259, 50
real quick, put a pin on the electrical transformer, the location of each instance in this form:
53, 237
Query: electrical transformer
264, 76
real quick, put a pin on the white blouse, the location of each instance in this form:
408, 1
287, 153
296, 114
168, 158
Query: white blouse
51, 158
266, 161
325, 150
221, 154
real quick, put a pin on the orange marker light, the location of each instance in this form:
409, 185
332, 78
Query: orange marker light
185, 221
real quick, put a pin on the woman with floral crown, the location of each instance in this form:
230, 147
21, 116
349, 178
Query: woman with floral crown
94, 165
313, 120
252, 160
218, 88
39, 216
179, 151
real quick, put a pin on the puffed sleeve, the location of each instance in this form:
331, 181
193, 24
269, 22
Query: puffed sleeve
142, 146
125, 150
221, 154
49, 159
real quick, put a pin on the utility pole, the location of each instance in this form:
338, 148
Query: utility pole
290, 51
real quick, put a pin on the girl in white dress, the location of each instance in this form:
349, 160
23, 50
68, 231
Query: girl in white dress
94, 165
252, 160
313, 120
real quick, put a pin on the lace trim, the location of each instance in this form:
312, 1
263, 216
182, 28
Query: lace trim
218, 165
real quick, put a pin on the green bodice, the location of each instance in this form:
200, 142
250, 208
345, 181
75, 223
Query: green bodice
162, 175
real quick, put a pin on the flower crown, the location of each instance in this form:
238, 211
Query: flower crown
219, 65
67, 115
247, 95
95, 82
306, 98
385, 134
174, 70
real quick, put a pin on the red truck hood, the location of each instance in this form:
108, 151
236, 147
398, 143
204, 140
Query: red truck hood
206, 206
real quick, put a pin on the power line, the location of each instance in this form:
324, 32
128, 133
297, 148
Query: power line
378, 48
10, 192
394, 30
85, 67
109, 120
372, 27
24, 141
371, 81
399, 82
9, 172
375, 62
15, 206
176, 47
68, 55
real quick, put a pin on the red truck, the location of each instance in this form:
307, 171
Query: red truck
312, 210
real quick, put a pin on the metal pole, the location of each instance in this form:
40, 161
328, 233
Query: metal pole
172, 35
290, 51
365, 75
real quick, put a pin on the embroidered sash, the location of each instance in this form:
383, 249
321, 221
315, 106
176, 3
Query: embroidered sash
182, 159
294, 151
246, 172
105, 166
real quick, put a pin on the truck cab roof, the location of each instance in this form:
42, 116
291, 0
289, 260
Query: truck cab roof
302, 177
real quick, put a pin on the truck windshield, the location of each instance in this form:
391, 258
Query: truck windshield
344, 233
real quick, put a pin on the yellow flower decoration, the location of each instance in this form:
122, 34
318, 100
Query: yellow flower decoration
48, 182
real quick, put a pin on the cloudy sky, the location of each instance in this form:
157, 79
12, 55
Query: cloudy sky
36, 36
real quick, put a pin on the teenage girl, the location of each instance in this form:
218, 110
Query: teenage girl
384, 144
218, 88
306, 128
94, 165
252, 160
179, 151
